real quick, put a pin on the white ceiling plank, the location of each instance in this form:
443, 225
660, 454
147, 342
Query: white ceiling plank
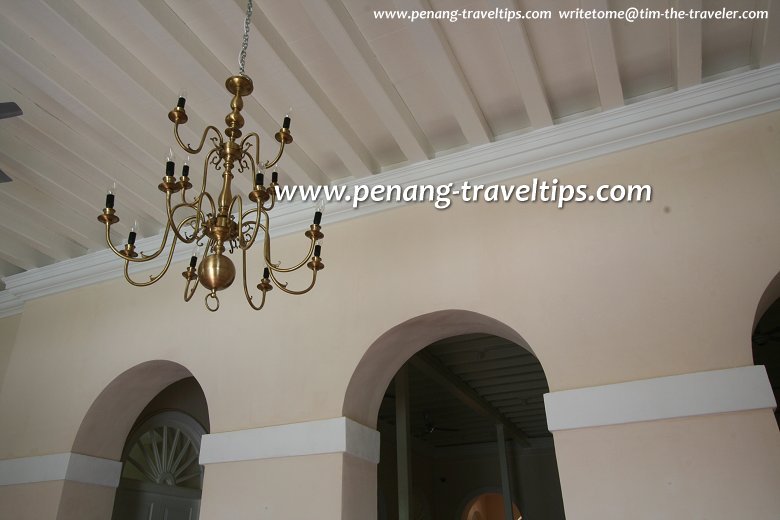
521, 58
339, 29
12, 198
17, 251
347, 143
765, 48
303, 170
435, 50
602, 52
38, 234
96, 167
687, 47
84, 199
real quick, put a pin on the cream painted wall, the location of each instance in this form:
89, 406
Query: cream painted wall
602, 293
8, 328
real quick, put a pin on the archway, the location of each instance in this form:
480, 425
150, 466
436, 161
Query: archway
105, 429
765, 338
419, 349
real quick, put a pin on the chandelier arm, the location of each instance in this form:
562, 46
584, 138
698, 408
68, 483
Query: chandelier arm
172, 211
277, 266
141, 257
272, 198
189, 293
187, 148
283, 286
153, 279
246, 289
271, 164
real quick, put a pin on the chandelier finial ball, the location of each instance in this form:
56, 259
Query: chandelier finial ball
216, 272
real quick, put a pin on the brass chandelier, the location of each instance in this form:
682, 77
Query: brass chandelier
223, 223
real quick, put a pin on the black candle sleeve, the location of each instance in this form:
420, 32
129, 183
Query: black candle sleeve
259, 179
286, 123
317, 250
185, 170
180, 103
169, 168
110, 200
317, 217
266, 273
275, 177
131, 238
193, 261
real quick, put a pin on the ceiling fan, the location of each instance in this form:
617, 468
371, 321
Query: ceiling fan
431, 427
8, 109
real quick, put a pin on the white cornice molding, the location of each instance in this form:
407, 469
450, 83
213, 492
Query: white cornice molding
670, 397
337, 435
60, 466
703, 106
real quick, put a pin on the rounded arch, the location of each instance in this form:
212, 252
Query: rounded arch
113, 413
392, 349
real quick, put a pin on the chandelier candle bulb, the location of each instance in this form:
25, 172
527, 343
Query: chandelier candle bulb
266, 273
286, 122
185, 170
317, 217
110, 200
193, 261
275, 177
259, 178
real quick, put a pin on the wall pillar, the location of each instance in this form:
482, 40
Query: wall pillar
668, 447
60, 486
317, 469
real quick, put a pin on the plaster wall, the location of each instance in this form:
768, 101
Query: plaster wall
602, 293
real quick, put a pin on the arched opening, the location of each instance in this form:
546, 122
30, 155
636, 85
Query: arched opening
458, 400
766, 337
129, 410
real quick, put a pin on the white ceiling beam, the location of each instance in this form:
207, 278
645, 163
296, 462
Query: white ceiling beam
435, 51
687, 47
521, 58
8, 269
90, 29
438, 372
342, 34
29, 162
22, 195
38, 215
765, 47
38, 235
602, 53
351, 150
18, 252
88, 100
98, 169
304, 170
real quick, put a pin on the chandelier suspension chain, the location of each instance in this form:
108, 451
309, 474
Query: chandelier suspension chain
245, 41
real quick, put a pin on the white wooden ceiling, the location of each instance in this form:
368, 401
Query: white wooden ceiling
96, 78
